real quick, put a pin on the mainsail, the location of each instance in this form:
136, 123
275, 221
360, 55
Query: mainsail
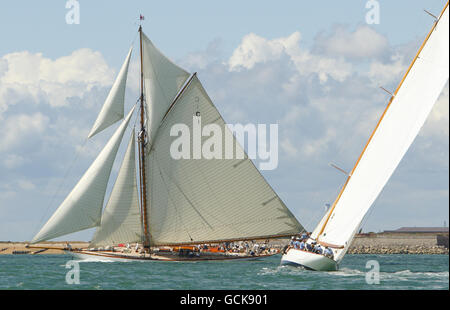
112, 109
208, 200
121, 218
399, 125
83, 206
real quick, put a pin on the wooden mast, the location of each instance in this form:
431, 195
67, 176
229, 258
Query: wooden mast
141, 141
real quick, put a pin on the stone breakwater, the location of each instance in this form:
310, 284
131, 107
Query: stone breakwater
418, 249
396, 244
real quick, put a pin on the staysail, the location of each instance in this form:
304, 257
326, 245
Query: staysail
395, 132
112, 109
120, 221
83, 206
208, 200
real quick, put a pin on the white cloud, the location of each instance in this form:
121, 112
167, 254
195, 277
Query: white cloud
288, 147
383, 74
255, 50
22, 129
35, 78
364, 42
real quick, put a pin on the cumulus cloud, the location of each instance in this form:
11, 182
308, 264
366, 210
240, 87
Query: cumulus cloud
386, 73
25, 76
255, 49
363, 42
22, 129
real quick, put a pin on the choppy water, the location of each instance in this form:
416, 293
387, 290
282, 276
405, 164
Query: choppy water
396, 272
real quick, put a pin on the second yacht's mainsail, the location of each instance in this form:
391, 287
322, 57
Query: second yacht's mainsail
396, 130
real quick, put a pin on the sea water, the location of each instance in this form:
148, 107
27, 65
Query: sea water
357, 272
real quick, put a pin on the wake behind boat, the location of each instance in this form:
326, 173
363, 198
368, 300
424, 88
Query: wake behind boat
397, 128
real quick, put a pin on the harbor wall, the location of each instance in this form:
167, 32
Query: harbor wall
399, 243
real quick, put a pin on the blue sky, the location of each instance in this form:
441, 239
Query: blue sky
313, 67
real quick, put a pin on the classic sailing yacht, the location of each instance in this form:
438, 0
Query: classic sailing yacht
176, 204
400, 123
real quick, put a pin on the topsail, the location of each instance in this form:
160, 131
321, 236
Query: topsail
162, 81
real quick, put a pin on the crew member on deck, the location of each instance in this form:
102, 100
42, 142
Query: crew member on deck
291, 243
318, 249
309, 246
302, 245
296, 244
328, 252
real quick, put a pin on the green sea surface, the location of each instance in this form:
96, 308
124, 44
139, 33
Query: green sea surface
396, 272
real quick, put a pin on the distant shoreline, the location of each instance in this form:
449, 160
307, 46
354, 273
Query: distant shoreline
382, 243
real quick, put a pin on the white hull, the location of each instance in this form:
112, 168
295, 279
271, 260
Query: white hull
100, 257
308, 260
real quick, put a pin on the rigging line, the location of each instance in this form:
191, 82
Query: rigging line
70, 167
137, 114
208, 213
187, 199
174, 204
365, 217
138, 170
313, 218
179, 95
215, 195
135, 36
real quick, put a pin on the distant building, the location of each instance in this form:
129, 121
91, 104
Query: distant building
422, 230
